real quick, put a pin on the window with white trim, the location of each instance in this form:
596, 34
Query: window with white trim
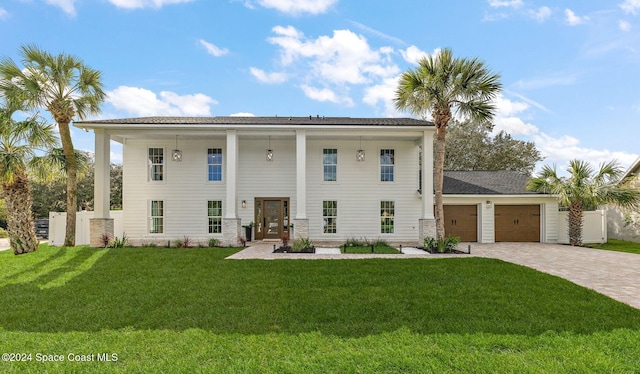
156, 164
214, 164
330, 216
330, 164
214, 212
156, 217
387, 165
387, 214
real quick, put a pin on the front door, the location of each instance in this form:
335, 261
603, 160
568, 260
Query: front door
271, 217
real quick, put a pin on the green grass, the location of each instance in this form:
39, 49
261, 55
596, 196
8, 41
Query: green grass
619, 246
189, 310
377, 249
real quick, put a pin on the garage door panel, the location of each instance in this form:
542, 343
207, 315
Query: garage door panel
461, 221
517, 223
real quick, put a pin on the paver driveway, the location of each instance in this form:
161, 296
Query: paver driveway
615, 274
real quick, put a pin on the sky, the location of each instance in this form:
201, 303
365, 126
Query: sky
570, 70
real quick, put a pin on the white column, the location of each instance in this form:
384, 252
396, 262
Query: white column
101, 188
301, 174
232, 174
427, 175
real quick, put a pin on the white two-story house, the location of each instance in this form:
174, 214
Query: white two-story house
323, 178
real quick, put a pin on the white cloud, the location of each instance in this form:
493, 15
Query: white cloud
66, 5
383, 92
3, 14
212, 49
541, 14
506, 118
630, 6
296, 7
325, 94
242, 114
506, 3
413, 54
138, 4
142, 102
624, 25
265, 77
344, 58
573, 19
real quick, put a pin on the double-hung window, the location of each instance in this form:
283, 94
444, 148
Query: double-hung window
214, 212
387, 214
330, 216
330, 164
214, 164
156, 164
387, 165
156, 217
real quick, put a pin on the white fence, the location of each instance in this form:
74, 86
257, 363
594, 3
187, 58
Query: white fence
594, 227
58, 223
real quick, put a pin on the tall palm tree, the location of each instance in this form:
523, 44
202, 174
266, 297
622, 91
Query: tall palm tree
67, 89
585, 187
19, 142
442, 86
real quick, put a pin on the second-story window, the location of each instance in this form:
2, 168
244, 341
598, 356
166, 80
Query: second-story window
330, 164
387, 165
214, 164
156, 164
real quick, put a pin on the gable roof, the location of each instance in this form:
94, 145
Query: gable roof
486, 182
266, 121
634, 169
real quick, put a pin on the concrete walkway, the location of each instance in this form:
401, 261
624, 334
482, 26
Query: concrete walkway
614, 274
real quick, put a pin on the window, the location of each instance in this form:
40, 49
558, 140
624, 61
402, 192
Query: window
156, 164
387, 162
330, 216
330, 164
157, 217
387, 212
214, 211
214, 164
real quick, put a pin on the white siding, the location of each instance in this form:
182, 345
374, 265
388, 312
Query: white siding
358, 190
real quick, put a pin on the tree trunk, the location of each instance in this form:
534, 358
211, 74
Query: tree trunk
575, 224
438, 178
72, 168
22, 233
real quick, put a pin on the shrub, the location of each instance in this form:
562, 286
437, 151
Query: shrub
119, 242
213, 242
148, 245
301, 244
380, 243
242, 241
105, 240
446, 245
177, 243
353, 242
3, 233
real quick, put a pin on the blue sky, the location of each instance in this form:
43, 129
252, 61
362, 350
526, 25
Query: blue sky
570, 69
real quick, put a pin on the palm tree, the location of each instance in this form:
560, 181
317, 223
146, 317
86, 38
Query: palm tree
443, 86
585, 187
68, 89
19, 142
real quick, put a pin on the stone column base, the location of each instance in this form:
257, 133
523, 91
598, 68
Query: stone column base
300, 229
98, 228
231, 230
427, 227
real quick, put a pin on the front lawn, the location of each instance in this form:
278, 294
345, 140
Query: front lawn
189, 310
619, 246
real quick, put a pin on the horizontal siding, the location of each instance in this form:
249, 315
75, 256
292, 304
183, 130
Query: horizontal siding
358, 190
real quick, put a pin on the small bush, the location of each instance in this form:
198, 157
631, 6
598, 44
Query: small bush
3, 233
119, 242
380, 243
353, 242
213, 242
446, 245
242, 241
148, 245
302, 244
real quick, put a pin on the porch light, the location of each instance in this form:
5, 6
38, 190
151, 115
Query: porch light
269, 151
176, 154
244, 204
360, 152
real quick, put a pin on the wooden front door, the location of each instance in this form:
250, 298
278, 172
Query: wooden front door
271, 217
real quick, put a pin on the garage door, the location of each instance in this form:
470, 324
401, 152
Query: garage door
462, 221
517, 223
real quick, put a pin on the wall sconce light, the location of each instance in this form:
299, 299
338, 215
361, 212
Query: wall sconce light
176, 154
488, 203
244, 204
360, 152
269, 151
